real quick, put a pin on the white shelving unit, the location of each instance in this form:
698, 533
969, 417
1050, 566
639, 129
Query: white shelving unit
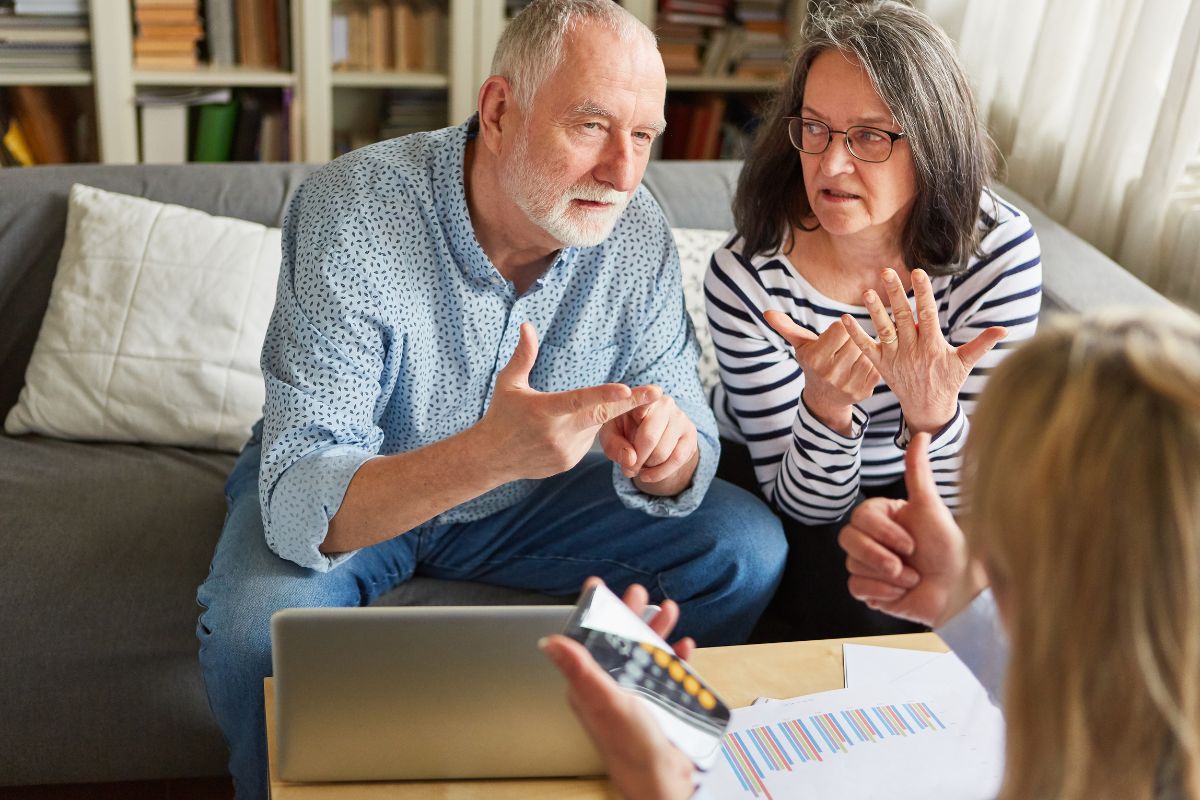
473, 31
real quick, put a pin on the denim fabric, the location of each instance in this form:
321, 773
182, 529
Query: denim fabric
721, 563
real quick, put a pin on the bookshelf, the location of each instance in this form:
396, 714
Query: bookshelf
322, 96
114, 81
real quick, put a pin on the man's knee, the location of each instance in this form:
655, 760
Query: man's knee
745, 538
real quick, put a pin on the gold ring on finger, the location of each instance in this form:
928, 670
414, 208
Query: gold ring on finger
888, 340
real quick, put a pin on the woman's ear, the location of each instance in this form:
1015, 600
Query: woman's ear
497, 108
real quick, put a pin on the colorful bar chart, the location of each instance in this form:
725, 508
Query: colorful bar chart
755, 752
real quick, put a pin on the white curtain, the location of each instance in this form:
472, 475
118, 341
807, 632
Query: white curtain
1095, 105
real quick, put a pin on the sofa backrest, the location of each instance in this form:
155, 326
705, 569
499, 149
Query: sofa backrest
693, 194
33, 213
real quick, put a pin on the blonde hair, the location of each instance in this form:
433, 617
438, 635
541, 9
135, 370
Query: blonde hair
1083, 489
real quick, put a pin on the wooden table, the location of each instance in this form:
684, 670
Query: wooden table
739, 674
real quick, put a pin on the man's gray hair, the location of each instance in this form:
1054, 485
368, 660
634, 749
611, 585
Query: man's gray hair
912, 64
531, 48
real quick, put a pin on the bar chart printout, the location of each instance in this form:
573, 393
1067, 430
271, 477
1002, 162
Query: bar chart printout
751, 753
819, 747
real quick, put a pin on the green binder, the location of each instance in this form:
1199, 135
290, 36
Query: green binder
214, 131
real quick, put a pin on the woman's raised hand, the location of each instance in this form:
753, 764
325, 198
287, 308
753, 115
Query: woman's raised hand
923, 370
836, 372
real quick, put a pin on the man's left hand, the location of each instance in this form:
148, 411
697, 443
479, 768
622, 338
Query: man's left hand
655, 445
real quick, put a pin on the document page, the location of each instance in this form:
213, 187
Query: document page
916, 727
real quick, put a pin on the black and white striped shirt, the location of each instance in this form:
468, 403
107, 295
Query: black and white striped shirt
807, 470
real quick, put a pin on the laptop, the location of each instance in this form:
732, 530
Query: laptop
422, 692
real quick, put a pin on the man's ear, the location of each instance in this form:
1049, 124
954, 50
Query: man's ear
497, 112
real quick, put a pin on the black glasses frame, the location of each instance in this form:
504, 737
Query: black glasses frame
892, 136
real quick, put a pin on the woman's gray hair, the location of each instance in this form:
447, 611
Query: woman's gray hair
531, 47
912, 65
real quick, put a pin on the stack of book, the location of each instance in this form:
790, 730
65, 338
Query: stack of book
390, 35
407, 111
765, 48
685, 29
44, 36
401, 112
249, 33
167, 34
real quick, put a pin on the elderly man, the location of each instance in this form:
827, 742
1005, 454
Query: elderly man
460, 313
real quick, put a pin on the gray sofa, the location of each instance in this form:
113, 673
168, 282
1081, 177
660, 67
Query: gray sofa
104, 544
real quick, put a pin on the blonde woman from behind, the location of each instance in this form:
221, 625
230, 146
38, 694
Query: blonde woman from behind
1082, 478
1084, 509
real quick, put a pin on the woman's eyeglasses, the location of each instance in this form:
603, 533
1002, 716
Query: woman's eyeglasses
862, 141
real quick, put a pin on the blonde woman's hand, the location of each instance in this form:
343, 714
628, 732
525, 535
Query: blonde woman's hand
836, 372
640, 760
908, 558
922, 369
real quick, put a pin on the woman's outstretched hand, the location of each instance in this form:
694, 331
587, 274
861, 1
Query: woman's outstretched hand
836, 372
923, 370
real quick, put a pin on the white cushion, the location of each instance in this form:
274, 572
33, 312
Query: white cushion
154, 327
696, 247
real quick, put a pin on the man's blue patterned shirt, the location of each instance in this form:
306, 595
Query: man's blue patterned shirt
391, 324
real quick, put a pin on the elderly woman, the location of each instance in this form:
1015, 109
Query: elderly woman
1089, 536
866, 193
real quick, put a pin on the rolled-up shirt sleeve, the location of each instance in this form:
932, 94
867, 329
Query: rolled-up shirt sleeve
667, 355
323, 360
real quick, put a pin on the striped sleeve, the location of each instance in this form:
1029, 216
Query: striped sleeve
805, 469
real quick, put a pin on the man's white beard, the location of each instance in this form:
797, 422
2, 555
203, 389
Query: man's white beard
548, 205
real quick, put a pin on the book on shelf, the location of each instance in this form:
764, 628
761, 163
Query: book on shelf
379, 39
339, 34
277, 136
163, 134
65, 8
717, 8
146, 14
680, 58
42, 34
44, 56
290, 109
215, 125
14, 149
390, 35
45, 122
253, 32
696, 126
220, 33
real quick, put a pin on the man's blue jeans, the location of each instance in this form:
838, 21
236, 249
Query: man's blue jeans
721, 564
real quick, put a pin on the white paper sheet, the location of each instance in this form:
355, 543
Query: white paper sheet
866, 665
908, 726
